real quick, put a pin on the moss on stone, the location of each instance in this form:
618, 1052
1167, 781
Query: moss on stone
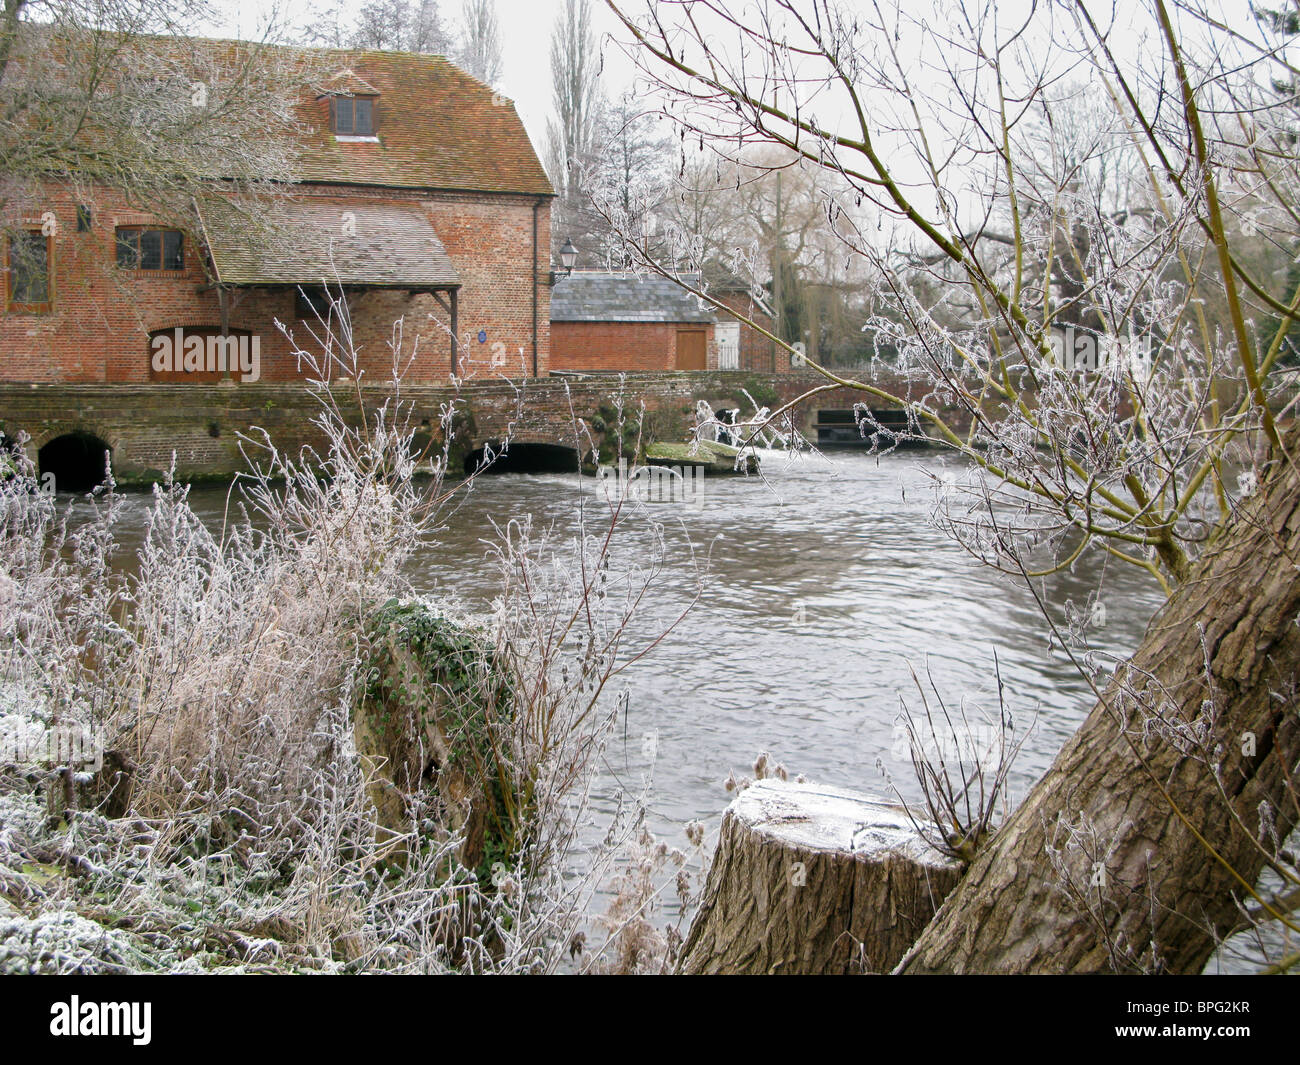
428, 727
717, 459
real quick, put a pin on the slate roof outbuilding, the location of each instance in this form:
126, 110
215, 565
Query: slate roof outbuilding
594, 296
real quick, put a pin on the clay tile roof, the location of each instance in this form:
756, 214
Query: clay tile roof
307, 244
347, 82
593, 296
438, 127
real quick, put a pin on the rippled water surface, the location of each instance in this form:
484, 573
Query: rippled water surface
825, 584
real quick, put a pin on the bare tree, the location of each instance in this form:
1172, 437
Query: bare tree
761, 218
400, 26
480, 50
1092, 313
120, 97
573, 135
330, 26
626, 179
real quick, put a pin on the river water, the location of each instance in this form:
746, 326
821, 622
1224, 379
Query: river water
827, 585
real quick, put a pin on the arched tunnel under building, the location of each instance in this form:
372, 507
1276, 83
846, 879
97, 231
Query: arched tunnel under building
522, 458
76, 460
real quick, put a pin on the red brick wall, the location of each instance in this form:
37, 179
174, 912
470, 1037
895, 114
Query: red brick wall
756, 351
638, 347
488, 239
97, 331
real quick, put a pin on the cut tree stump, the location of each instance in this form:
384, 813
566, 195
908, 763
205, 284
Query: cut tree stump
813, 879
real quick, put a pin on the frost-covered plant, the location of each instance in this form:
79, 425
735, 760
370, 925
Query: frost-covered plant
1093, 304
635, 943
961, 758
233, 822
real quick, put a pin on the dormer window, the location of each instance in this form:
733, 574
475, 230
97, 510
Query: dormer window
354, 106
352, 116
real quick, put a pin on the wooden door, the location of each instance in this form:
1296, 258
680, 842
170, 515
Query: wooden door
692, 349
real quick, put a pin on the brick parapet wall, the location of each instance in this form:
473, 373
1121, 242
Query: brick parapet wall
144, 424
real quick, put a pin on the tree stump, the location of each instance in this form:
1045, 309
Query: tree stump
812, 879
423, 726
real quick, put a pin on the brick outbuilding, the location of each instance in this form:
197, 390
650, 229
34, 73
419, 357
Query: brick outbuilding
625, 321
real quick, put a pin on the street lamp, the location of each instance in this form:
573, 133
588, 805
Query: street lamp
568, 256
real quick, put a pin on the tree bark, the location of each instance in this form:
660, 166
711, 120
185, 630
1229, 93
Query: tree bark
1100, 869
809, 879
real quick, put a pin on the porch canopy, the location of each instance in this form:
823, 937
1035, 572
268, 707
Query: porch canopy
347, 245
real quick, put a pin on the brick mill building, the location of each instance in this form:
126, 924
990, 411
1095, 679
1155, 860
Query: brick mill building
418, 196
418, 192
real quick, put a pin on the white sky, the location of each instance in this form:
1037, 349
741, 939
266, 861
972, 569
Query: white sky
526, 27
525, 38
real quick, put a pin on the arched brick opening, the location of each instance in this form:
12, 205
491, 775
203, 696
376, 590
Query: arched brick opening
76, 459
522, 457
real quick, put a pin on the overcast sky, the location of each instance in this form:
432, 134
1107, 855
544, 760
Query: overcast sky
525, 37
933, 74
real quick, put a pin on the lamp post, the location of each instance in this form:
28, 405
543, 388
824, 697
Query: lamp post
568, 256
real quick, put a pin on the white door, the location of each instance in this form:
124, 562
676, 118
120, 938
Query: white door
727, 335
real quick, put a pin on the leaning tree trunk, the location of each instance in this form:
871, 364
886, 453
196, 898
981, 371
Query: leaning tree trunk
1101, 869
814, 880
